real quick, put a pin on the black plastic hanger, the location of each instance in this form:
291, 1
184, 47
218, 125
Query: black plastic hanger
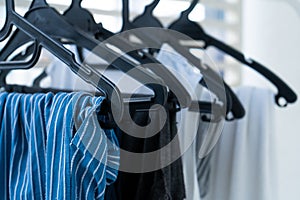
125, 16
6, 52
142, 57
42, 39
80, 17
21, 57
47, 20
147, 19
83, 20
87, 23
196, 32
139, 55
215, 82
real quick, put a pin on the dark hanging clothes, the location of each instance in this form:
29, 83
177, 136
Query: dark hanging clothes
163, 184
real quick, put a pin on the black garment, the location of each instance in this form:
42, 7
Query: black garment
163, 184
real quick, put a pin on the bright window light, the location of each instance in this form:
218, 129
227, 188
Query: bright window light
198, 14
101, 5
163, 9
59, 2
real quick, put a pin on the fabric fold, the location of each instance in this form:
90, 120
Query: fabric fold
52, 147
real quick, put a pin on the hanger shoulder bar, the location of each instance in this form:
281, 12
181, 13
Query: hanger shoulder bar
284, 91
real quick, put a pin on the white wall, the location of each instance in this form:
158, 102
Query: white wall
271, 34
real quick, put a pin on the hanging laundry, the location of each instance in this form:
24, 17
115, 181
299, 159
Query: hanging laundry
52, 147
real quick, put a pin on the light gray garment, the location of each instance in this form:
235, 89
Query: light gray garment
192, 141
243, 163
187, 121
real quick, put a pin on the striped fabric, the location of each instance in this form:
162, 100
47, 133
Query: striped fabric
52, 147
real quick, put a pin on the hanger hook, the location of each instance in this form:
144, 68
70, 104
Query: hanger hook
190, 8
76, 3
281, 101
152, 6
10, 5
38, 3
6, 29
125, 14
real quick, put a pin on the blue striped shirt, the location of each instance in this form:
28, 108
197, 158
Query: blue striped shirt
52, 147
